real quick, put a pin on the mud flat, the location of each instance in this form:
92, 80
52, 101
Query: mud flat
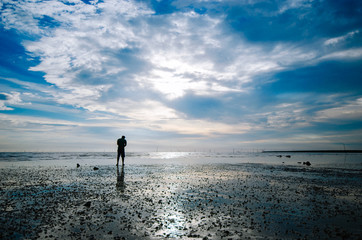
205, 201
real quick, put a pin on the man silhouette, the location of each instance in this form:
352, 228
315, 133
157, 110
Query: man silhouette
122, 143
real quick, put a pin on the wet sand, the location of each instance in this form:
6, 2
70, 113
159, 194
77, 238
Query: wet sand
208, 201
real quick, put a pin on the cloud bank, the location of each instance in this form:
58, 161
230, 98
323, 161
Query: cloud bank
228, 74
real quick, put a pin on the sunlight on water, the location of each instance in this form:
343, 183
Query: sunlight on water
170, 155
350, 161
173, 224
171, 216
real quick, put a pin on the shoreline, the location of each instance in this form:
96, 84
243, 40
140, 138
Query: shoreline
320, 160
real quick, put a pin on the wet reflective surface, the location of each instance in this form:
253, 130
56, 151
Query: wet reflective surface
318, 160
204, 201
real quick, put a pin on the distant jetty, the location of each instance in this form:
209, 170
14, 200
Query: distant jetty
315, 151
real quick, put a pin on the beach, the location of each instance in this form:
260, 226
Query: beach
167, 199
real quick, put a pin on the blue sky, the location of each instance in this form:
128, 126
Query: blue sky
180, 75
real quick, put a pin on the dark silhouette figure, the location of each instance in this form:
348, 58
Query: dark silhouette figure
120, 179
122, 143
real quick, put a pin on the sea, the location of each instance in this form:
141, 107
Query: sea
316, 159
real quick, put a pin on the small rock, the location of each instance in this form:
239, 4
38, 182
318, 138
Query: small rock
87, 204
95, 168
78, 165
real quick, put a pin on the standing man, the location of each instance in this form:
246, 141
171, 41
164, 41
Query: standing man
122, 143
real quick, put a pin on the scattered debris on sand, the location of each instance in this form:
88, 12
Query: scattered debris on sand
213, 201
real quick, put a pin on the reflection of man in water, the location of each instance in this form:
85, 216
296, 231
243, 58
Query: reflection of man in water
122, 143
120, 180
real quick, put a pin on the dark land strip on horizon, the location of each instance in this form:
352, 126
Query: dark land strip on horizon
315, 151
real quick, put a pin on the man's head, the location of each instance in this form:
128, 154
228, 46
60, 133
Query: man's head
123, 137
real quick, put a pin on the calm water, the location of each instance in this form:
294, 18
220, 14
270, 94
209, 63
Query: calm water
333, 160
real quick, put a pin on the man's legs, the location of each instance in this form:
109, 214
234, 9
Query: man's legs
118, 155
123, 155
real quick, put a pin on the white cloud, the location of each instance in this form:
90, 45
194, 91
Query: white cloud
349, 111
286, 119
344, 54
11, 99
203, 127
3, 107
184, 52
336, 40
293, 4
87, 56
22, 120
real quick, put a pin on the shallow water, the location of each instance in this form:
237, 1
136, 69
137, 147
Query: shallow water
324, 160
